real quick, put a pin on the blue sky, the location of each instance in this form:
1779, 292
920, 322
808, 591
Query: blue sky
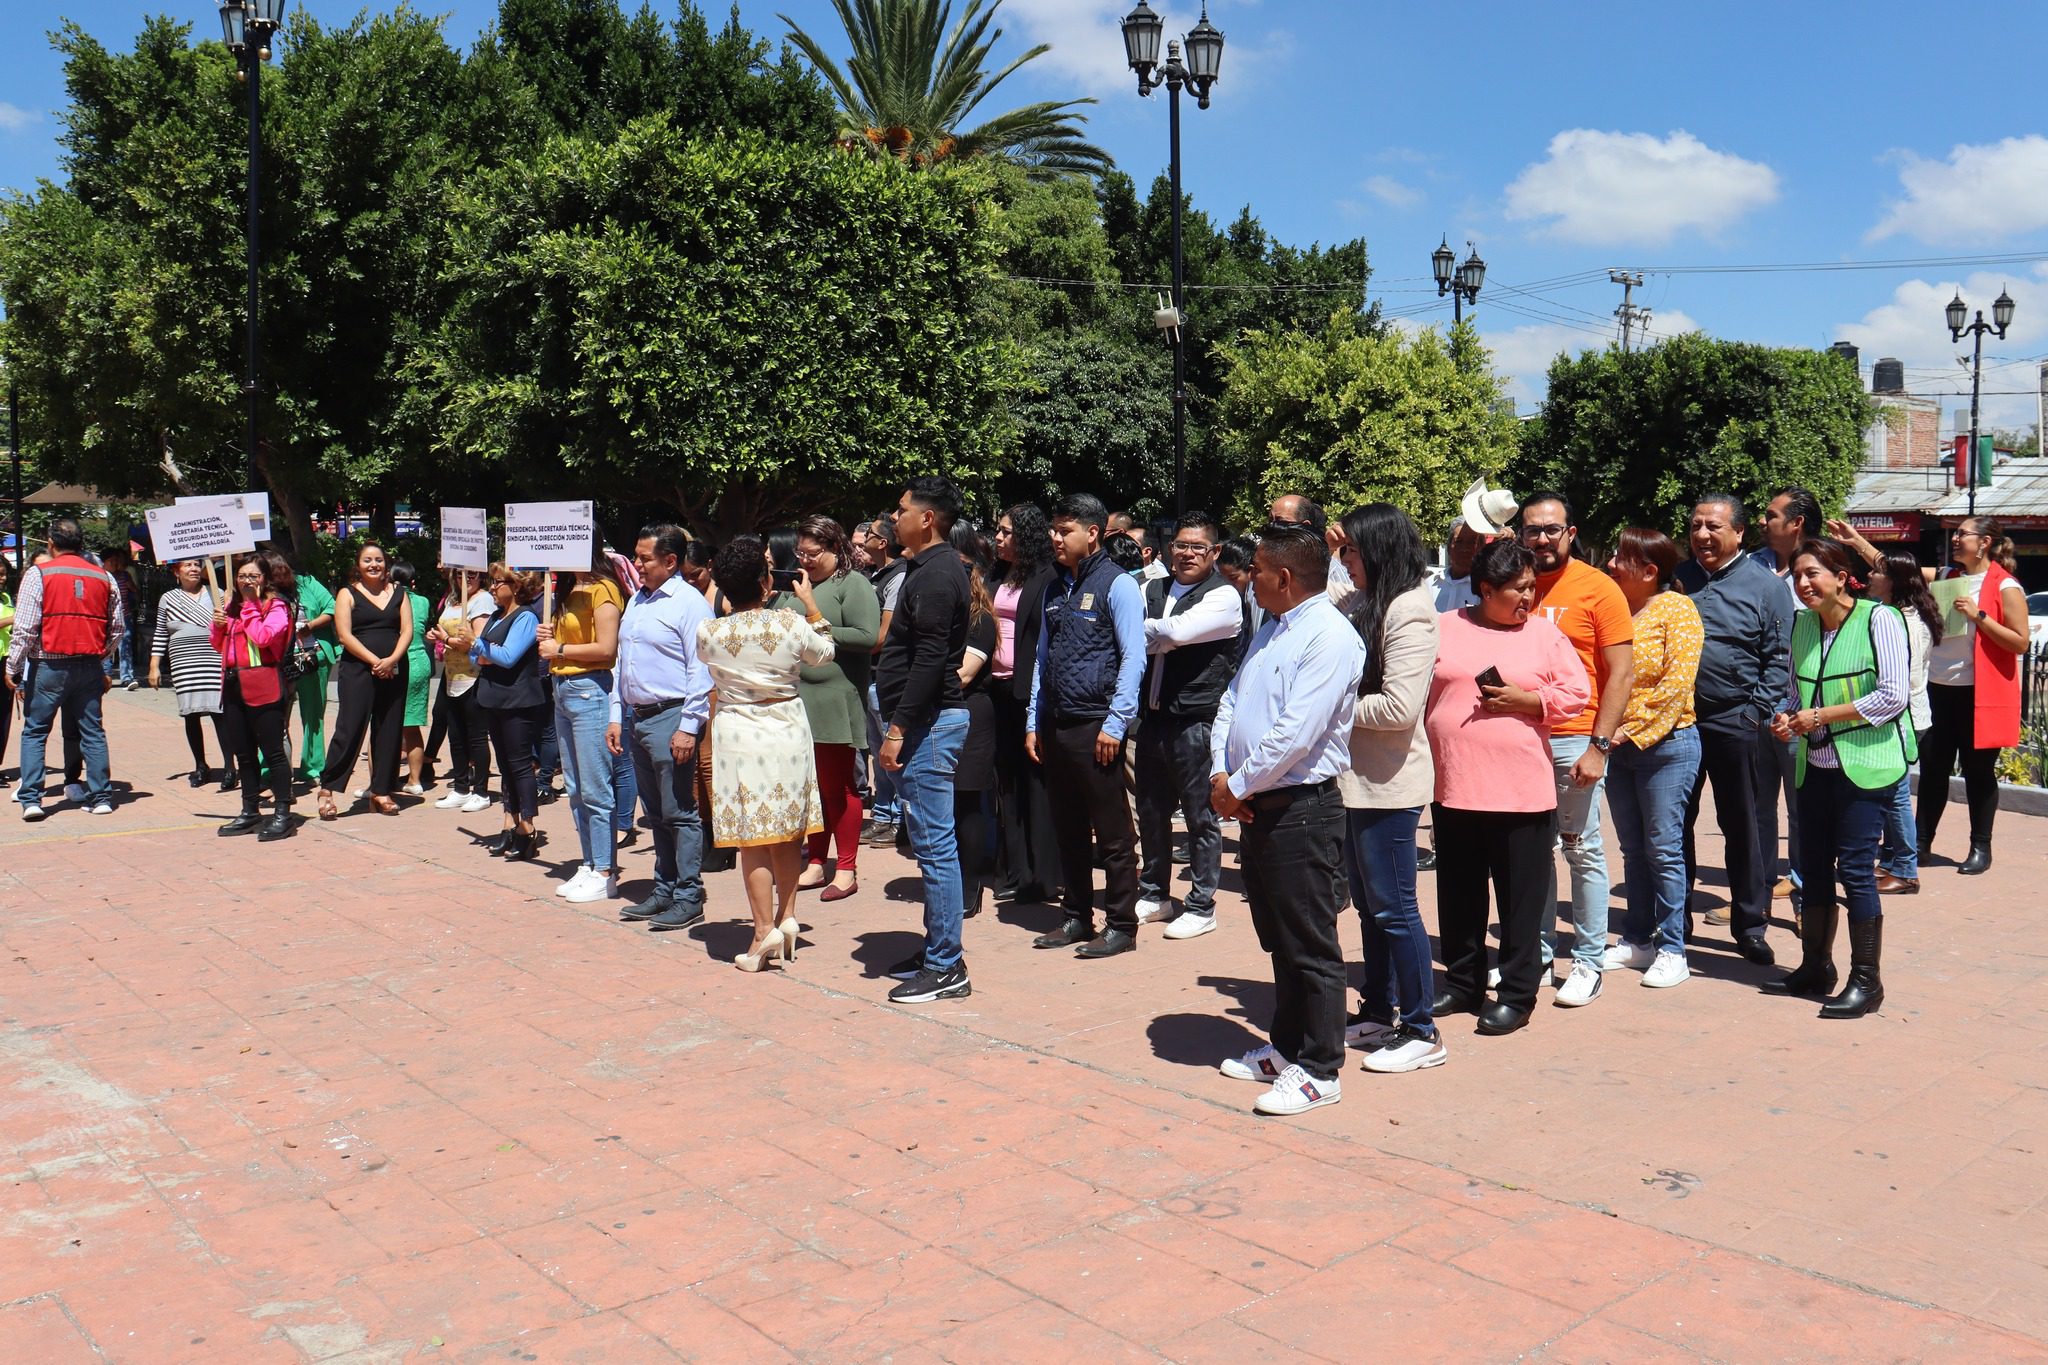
1561, 140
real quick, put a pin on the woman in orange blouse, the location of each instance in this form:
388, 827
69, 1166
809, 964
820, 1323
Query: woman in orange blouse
1655, 759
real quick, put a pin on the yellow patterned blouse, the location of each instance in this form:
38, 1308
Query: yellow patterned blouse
1667, 657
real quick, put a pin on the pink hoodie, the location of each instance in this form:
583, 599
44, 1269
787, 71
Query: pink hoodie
267, 625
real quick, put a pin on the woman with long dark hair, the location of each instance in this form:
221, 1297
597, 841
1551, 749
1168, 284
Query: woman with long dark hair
834, 696
251, 635
373, 620
1895, 579
1023, 554
1388, 782
513, 701
419, 682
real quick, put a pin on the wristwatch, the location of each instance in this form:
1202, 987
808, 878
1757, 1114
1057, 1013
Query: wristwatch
1603, 744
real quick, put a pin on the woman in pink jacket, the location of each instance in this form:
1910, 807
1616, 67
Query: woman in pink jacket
252, 631
1501, 681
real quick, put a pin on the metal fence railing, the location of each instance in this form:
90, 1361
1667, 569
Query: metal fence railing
2034, 717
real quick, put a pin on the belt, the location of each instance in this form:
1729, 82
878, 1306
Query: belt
1282, 797
648, 710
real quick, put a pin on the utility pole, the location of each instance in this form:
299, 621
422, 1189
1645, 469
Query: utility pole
1629, 314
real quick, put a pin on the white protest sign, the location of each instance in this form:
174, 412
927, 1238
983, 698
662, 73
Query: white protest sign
548, 535
194, 528
258, 505
465, 541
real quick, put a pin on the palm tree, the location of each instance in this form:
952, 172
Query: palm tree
910, 85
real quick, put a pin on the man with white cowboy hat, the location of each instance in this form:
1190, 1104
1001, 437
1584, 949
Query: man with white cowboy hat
1483, 515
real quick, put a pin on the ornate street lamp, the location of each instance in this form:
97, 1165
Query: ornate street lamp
1143, 29
1461, 282
247, 26
2001, 314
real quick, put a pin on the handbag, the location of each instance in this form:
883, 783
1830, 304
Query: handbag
259, 683
301, 660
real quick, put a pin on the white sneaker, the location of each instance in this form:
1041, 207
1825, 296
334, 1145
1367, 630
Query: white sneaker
1405, 1051
1582, 987
359, 793
1493, 978
1636, 957
574, 883
451, 801
1367, 1034
1668, 970
1297, 1092
414, 789
472, 804
1260, 1064
33, 813
597, 886
102, 808
1151, 911
1185, 925
74, 792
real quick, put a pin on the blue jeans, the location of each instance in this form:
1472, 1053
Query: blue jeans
1578, 834
1898, 852
625, 789
583, 704
931, 757
883, 810
1839, 825
121, 668
1379, 855
671, 791
71, 687
1647, 791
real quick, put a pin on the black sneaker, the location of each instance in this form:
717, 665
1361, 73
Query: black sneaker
951, 984
677, 917
1425, 861
884, 836
908, 967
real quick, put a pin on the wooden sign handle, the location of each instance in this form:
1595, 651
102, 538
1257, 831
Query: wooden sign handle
213, 581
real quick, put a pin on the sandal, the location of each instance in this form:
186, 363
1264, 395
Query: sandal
383, 805
327, 810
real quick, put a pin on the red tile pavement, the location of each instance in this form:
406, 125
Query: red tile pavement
370, 1096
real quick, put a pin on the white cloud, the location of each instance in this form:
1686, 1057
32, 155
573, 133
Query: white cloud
1911, 327
1981, 193
1614, 189
1522, 355
1392, 192
1088, 44
14, 118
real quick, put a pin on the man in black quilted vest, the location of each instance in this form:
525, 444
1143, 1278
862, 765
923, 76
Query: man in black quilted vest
1084, 696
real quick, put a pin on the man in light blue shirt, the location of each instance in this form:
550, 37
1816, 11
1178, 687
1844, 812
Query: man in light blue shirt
1282, 734
665, 687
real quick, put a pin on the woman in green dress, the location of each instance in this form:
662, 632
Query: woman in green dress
833, 693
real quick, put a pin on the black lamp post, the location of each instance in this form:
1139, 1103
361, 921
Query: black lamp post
1958, 323
1461, 282
247, 26
1142, 29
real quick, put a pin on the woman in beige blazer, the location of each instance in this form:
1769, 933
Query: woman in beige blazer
1390, 779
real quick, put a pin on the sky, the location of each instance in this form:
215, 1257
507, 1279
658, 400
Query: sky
1560, 141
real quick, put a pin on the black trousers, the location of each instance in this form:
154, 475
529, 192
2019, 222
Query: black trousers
1025, 859
255, 735
1292, 855
1728, 759
365, 703
1173, 770
195, 740
513, 732
469, 744
437, 727
1511, 851
1089, 807
977, 850
1951, 741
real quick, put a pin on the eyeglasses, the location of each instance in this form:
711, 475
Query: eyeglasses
1193, 547
1544, 532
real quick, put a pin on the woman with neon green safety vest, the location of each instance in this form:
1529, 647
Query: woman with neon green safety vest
1851, 665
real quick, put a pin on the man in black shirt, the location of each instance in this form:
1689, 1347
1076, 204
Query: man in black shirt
917, 685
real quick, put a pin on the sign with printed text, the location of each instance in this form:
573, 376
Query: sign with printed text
194, 528
465, 540
257, 505
549, 535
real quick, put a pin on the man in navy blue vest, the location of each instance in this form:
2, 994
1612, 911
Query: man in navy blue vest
1195, 633
1084, 696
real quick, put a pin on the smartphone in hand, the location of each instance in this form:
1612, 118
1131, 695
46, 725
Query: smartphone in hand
1491, 678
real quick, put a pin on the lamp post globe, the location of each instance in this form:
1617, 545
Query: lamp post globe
2001, 311
233, 26
1471, 275
1142, 30
1443, 261
1205, 57
1958, 316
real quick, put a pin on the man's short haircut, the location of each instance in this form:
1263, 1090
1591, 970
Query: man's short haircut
668, 540
1300, 551
1560, 499
1124, 552
1084, 508
1801, 503
1194, 519
65, 537
1737, 518
939, 496
1312, 514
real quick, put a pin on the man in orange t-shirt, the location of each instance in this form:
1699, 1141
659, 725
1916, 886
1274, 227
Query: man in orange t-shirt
1586, 605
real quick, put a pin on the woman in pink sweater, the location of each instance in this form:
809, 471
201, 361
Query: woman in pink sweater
252, 631
1501, 681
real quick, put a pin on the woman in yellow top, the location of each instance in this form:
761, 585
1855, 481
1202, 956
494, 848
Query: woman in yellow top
1656, 758
580, 646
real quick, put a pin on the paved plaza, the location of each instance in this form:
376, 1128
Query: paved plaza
371, 1096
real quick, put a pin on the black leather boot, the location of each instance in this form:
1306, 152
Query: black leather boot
1865, 990
246, 822
1815, 974
1978, 861
279, 825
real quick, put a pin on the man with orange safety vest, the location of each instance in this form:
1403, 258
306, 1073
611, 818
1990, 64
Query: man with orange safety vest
66, 626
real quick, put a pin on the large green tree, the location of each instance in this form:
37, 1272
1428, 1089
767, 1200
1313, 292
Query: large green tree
737, 329
1346, 416
1632, 437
